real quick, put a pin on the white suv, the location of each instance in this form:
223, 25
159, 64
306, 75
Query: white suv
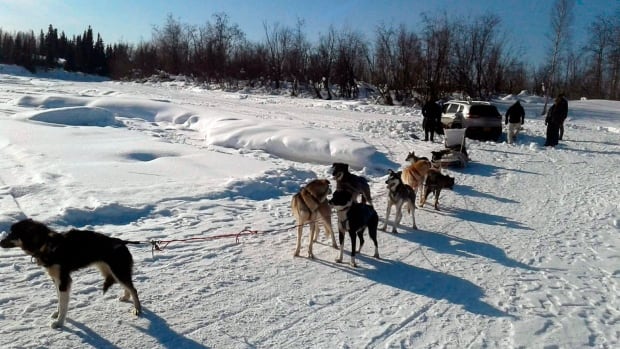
482, 119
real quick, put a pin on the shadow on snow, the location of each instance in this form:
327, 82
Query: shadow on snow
166, 336
450, 244
429, 283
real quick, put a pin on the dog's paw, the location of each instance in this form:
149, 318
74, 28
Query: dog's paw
56, 324
54, 315
310, 256
136, 312
353, 264
377, 256
394, 231
338, 260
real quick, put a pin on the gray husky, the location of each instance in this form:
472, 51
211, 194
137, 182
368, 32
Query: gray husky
399, 194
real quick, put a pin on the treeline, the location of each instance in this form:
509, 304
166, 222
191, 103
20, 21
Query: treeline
52, 50
470, 56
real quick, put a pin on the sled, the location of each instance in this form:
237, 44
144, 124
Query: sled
456, 153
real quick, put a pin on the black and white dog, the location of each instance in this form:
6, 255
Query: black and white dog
354, 217
399, 194
356, 185
61, 254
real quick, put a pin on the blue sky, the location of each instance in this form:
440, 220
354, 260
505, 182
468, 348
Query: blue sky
525, 22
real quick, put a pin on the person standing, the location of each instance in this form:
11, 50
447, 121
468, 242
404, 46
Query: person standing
431, 113
563, 105
515, 116
555, 117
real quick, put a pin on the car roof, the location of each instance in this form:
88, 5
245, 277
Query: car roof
470, 102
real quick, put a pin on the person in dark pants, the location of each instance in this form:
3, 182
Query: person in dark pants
432, 116
564, 113
552, 129
556, 115
515, 116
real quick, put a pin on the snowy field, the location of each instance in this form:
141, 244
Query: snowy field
525, 252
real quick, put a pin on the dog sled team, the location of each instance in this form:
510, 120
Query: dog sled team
61, 254
352, 203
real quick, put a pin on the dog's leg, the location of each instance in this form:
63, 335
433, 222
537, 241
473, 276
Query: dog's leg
424, 195
360, 235
325, 213
317, 230
387, 214
399, 216
313, 233
62, 280
372, 232
422, 185
130, 291
437, 199
122, 274
300, 228
341, 240
353, 240
412, 210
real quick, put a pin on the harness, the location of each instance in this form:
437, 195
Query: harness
303, 200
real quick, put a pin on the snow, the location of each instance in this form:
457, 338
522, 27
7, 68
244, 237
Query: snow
525, 252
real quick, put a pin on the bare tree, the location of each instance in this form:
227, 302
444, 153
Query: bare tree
172, 42
409, 62
350, 64
614, 58
561, 19
477, 55
385, 62
279, 40
598, 46
398, 62
437, 36
322, 61
296, 62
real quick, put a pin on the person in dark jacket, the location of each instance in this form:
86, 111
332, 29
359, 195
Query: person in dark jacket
555, 117
515, 116
563, 113
432, 118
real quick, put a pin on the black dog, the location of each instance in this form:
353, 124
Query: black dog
354, 184
435, 181
61, 254
354, 217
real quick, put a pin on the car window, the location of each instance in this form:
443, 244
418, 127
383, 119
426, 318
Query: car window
484, 110
452, 108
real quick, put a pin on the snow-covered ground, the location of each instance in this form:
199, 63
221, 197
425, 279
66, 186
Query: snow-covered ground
525, 252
